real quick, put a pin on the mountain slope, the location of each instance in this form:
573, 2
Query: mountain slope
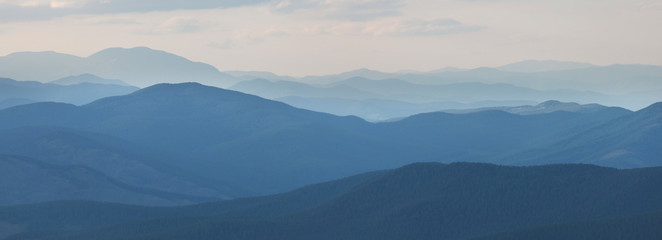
629, 141
209, 131
123, 161
87, 78
639, 226
26, 180
78, 94
10, 102
246, 145
418, 201
85, 214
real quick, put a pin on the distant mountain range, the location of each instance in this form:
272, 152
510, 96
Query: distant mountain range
543, 66
13, 93
418, 201
87, 78
391, 98
629, 86
378, 110
545, 107
88, 155
138, 66
203, 141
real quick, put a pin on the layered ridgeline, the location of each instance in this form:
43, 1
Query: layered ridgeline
139, 66
369, 94
418, 201
377, 95
203, 141
14, 93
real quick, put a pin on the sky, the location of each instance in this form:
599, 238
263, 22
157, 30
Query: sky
316, 37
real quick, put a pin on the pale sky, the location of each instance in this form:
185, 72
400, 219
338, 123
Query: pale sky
313, 37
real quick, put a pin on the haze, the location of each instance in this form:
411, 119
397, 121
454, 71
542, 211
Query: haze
314, 37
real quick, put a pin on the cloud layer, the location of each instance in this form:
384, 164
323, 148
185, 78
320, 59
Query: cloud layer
352, 10
35, 10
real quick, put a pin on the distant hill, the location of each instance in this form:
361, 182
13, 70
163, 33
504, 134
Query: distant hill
418, 201
544, 107
400, 90
139, 66
244, 145
87, 78
385, 99
543, 66
38, 66
362, 73
633, 138
81, 93
383, 110
272, 90
630, 86
251, 75
204, 130
10, 102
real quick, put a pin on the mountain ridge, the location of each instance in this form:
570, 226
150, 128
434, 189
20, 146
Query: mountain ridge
138, 66
258, 146
420, 200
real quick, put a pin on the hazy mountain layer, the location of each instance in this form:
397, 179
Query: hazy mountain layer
545, 107
87, 78
81, 93
246, 145
390, 98
384, 110
138, 66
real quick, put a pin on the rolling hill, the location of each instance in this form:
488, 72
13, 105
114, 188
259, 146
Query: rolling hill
13, 92
139, 66
243, 145
123, 161
421, 201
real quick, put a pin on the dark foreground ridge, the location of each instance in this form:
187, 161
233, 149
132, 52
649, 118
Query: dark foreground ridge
418, 201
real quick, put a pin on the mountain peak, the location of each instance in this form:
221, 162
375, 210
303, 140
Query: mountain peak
182, 94
654, 109
140, 52
178, 88
87, 78
557, 104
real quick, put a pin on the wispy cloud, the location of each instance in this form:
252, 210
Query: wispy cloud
245, 37
351, 10
395, 27
35, 10
112, 21
650, 5
181, 24
440, 26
